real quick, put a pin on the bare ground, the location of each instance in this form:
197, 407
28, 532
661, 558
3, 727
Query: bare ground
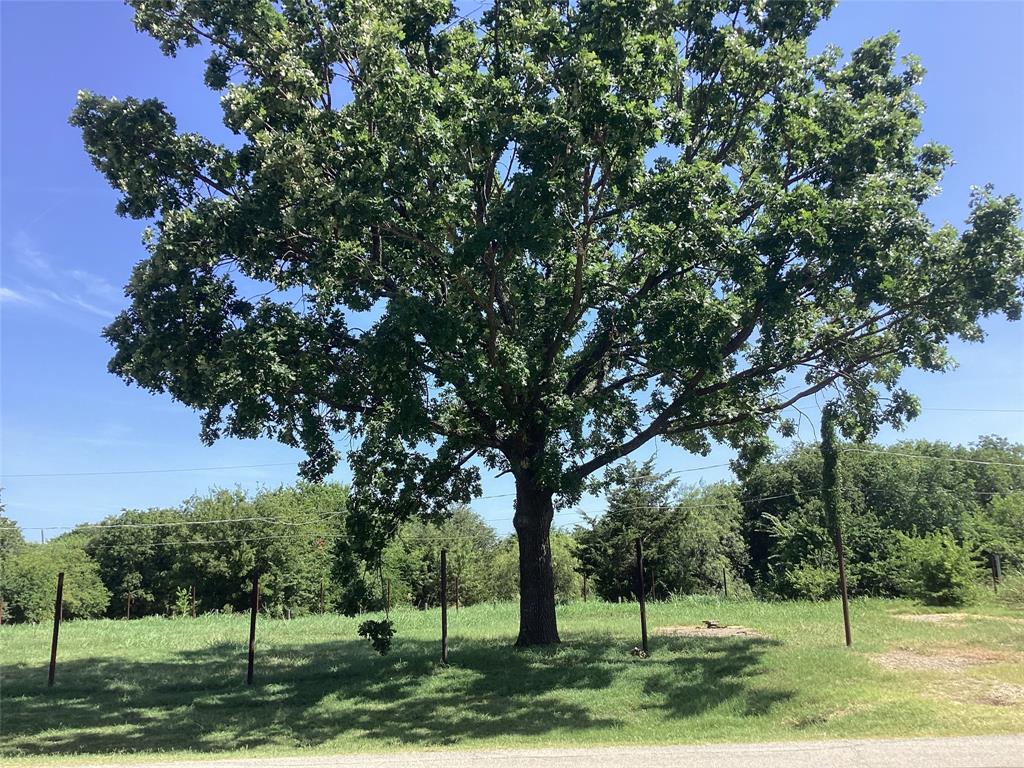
705, 631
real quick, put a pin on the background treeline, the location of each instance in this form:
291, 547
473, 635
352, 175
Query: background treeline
918, 516
919, 524
147, 562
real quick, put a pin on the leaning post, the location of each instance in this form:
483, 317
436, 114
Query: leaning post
58, 611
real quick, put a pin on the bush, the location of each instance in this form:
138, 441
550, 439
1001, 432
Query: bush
939, 570
31, 582
807, 582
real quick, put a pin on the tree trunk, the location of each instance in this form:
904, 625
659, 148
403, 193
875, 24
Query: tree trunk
534, 512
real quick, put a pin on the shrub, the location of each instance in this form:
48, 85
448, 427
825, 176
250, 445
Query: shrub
940, 571
806, 582
30, 581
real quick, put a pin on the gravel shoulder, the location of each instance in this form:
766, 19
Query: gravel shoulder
959, 752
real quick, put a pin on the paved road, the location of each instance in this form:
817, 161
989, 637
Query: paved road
960, 752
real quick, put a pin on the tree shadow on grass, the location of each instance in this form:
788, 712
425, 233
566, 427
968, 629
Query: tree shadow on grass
703, 673
307, 695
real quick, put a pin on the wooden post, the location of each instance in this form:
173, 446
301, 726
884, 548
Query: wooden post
321, 595
58, 613
830, 497
725, 582
584, 586
643, 603
444, 607
254, 603
387, 605
997, 571
128, 609
842, 587
193, 601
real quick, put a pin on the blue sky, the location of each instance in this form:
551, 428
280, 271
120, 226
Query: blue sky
65, 256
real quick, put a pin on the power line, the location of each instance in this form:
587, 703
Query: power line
682, 505
935, 458
978, 410
178, 542
462, 17
811, 407
150, 471
187, 523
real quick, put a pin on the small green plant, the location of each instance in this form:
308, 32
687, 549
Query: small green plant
182, 602
379, 633
940, 571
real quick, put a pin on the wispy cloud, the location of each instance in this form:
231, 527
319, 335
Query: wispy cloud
10, 296
45, 284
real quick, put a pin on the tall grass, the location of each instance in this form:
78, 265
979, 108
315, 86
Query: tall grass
171, 687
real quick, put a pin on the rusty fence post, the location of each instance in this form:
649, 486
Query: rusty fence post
58, 614
254, 603
444, 607
844, 592
997, 571
640, 592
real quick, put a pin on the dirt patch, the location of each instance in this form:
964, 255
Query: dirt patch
1004, 695
973, 690
939, 659
934, 618
954, 619
705, 631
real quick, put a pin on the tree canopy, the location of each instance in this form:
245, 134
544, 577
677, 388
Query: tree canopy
567, 229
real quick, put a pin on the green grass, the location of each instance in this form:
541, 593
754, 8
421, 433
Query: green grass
168, 688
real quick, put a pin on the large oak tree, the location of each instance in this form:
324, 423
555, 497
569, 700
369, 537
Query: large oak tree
534, 240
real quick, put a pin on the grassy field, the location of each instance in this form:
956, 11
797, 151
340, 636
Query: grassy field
169, 688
